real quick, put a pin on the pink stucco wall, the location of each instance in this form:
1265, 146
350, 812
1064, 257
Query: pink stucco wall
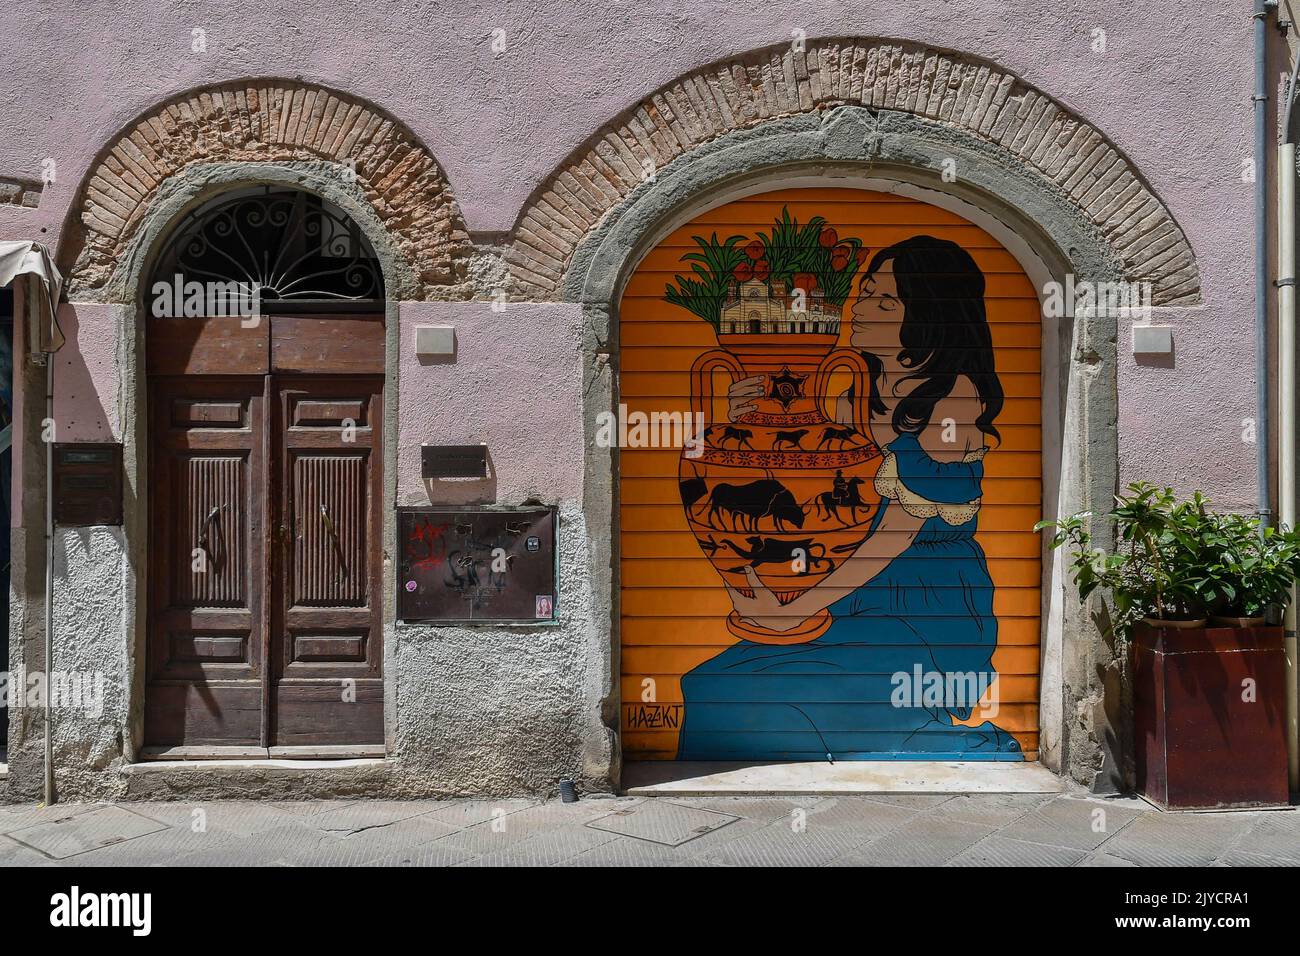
86, 376
1172, 90
515, 383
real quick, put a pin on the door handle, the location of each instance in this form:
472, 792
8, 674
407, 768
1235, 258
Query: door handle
334, 538
203, 531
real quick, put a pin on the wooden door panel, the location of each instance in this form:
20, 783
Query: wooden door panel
328, 344
210, 713
327, 651
316, 714
208, 346
206, 610
330, 529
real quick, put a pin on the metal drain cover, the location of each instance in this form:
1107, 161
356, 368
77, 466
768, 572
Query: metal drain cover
87, 831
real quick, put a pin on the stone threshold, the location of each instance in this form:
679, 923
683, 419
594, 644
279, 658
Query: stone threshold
171, 766
208, 754
703, 779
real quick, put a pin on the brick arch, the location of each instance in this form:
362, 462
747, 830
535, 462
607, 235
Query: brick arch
275, 121
946, 89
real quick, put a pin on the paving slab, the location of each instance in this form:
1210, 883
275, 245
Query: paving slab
289, 844
17, 816
649, 778
541, 849
1239, 858
627, 851
754, 808
662, 821
1075, 823
241, 817
779, 844
82, 832
871, 818
1099, 858
999, 851
995, 810
468, 813
438, 853
925, 841
1179, 839
717, 830
357, 817
1275, 833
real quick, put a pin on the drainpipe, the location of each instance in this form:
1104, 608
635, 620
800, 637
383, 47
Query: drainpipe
1286, 380
49, 582
1262, 8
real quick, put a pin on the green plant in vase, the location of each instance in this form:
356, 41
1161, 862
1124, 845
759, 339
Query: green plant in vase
1175, 563
808, 257
1251, 570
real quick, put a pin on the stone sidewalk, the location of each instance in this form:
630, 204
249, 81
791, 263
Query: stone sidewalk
880, 829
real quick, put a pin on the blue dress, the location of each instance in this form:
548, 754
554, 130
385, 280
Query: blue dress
906, 653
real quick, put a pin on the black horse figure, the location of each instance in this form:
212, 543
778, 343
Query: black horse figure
851, 499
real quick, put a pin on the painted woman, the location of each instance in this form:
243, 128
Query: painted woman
913, 607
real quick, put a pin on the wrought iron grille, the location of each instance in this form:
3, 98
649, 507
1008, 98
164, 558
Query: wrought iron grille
298, 250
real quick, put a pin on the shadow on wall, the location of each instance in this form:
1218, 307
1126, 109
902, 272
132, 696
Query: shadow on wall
83, 371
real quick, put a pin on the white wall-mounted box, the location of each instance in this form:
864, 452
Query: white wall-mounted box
1153, 339
435, 340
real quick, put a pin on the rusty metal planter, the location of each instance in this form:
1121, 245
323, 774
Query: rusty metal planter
1202, 739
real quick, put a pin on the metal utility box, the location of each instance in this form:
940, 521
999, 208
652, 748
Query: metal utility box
476, 565
453, 461
87, 483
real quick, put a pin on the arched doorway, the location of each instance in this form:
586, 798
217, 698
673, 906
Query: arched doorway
932, 651
265, 365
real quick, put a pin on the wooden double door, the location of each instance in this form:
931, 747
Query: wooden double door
264, 573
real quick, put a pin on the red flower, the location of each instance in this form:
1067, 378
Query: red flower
743, 272
840, 256
805, 281
762, 269
754, 250
862, 254
828, 237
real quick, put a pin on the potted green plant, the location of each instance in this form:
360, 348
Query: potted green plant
1209, 702
1251, 570
1158, 570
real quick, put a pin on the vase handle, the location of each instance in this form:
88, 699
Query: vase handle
702, 379
837, 359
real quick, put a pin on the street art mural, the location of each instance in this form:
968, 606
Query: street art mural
842, 566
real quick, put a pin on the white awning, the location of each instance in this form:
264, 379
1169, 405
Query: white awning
33, 260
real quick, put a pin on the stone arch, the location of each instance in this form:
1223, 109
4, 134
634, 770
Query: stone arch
1001, 115
270, 121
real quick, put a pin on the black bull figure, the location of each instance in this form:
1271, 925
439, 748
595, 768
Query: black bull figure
746, 505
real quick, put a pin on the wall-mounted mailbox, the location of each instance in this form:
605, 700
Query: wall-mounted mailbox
453, 461
476, 566
87, 483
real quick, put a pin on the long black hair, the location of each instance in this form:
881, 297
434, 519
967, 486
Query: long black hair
945, 332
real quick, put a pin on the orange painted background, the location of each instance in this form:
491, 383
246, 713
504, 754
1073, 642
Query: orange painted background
674, 606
